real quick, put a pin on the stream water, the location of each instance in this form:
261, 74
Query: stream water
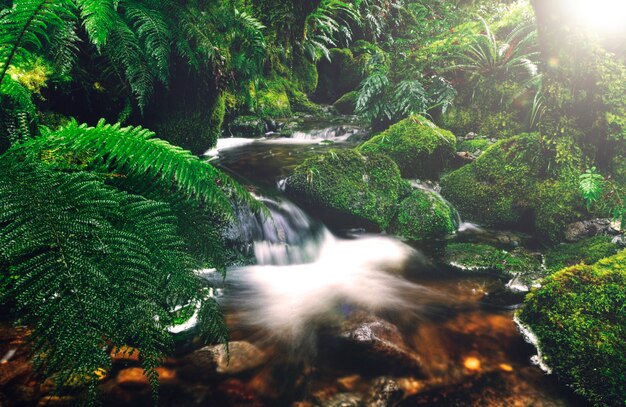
348, 318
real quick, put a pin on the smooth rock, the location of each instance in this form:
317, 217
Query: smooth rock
372, 340
243, 356
132, 377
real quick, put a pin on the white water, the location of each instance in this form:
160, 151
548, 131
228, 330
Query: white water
304, 275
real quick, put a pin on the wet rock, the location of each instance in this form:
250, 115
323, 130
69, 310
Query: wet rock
344, 400
243, 356
384, 392
248, 126
132, 377
125, 354
377, 343
587, 228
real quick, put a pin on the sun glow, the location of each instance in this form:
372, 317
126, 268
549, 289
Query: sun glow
601, 16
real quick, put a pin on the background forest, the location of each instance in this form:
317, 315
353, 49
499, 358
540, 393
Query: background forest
108, 207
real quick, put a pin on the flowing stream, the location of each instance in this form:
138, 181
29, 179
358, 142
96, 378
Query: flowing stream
348, 318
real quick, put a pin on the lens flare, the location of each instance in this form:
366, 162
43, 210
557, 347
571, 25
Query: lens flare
601, 16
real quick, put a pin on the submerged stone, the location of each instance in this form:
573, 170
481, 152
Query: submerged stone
241, 357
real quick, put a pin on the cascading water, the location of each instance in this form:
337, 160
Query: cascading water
303, 272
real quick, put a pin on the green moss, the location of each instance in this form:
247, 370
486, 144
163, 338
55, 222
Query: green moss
301, 103
423, 215
474, 145
246, 126
347, 103
416, 145
509, 183
586, 251
305, 75
490, 259
579, 317
477, 200
556, 204
196, 130
273, 102
364, 185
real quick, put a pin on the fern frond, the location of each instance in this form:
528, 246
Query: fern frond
86, 267
134, 152
99, 18
154, 33
24, 28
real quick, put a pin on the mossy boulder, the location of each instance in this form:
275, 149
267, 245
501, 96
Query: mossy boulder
587, 251
300, 102
247, 126
366, 186
477, 145
196, 129
305, 74
423, 215
579, 318
490, 259
416, 145
347, 103
510, 184
273, 102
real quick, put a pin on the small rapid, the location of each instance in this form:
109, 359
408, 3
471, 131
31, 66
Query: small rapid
304, 274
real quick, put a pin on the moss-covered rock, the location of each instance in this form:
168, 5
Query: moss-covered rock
579, 318
587, 251
347, 103
300, 102
246, 126
423, 215
479, 200
195, 129
509, 183
273, 102
305, 74
416, 145
366, 186
489, 259
477, 145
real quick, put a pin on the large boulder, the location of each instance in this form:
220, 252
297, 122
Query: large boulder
416, 145
579, 318
423, 215
365, 186
513, 182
